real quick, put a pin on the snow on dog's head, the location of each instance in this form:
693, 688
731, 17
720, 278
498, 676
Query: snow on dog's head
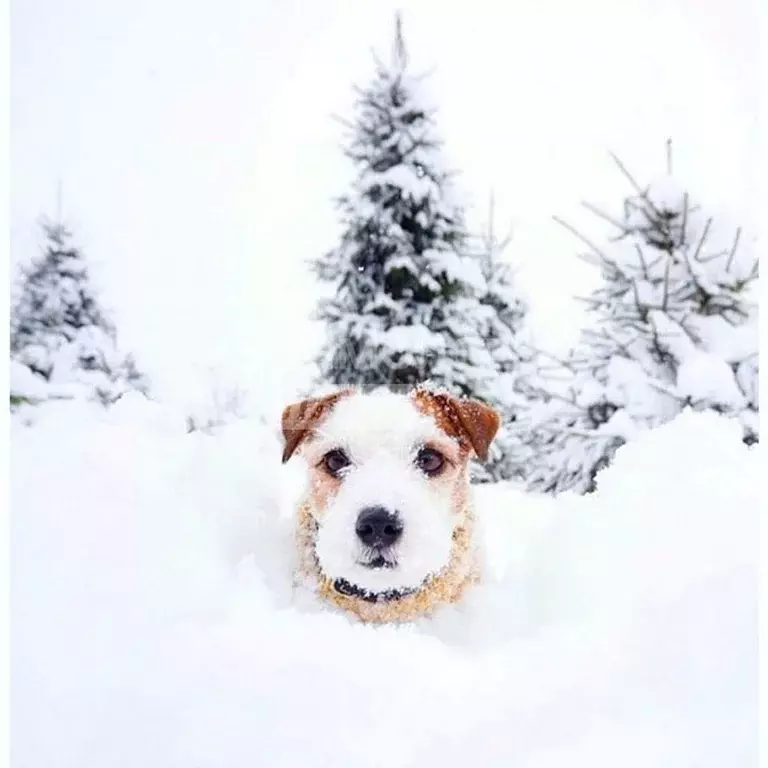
385, 529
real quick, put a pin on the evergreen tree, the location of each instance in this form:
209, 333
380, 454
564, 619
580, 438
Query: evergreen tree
505, 321
405, 305
61, 335
674, 326
506, 337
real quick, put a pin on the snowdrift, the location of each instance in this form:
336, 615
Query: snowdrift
152, 620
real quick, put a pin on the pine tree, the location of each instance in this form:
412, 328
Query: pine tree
405, 303
505, 321
674, 326
506, 337
61, 334
565, 432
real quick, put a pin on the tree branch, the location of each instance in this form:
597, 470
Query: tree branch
733, 250
581, 237
665, 295
669, 156
684, 223
627, 174
702, 239
641, 256
601, 214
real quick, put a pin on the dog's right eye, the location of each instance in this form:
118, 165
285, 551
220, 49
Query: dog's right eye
430, 461
335, 461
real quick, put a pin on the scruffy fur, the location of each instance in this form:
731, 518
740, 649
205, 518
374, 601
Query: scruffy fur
456, 428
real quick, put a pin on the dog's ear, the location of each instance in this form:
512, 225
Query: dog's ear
300, 419
480, 423
469, 420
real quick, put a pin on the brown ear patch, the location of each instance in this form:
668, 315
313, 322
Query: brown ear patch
299, 420
470, 421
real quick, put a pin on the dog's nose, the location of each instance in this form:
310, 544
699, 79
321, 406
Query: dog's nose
378, 527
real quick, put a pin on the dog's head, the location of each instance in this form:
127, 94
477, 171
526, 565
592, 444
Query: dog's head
388, 483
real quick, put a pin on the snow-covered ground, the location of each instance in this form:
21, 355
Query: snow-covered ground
152, 621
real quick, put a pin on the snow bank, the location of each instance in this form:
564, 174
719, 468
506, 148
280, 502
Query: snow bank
25, 384
153, 625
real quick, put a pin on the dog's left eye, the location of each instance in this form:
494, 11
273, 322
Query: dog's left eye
430, 461
335, 461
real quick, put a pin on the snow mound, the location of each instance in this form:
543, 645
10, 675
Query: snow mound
25, 384
153, 621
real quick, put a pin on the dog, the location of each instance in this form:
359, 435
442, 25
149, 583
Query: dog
386, 527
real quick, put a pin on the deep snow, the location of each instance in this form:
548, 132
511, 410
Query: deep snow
152, 622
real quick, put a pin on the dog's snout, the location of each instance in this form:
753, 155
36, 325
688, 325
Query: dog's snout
378, 527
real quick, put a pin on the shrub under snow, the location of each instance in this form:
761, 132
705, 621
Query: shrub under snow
673, 325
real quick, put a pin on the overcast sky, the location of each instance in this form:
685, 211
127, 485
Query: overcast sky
198, 156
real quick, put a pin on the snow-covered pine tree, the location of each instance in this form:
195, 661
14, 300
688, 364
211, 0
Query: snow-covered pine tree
563, 433
405, 306
506, 337
674, 326
504, 324
61, 335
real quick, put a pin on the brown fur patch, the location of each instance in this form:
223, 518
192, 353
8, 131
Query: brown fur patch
299, 420
471, 422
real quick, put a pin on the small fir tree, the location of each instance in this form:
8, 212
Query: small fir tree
405, 306
674, 326
508, 310
61, 335
506, 337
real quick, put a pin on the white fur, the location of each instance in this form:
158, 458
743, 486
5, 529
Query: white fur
381, 434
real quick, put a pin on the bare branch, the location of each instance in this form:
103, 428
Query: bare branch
601, 214
685, 219
658, 260
571, 432
712, 257
733, 250
669, 156
641, 256
559, 361
643, 309
590, 258
628, 175
665, 296
665, 390
699, 287
593, 303
563, 399
581, 237
622, 347
642, 193
702, 239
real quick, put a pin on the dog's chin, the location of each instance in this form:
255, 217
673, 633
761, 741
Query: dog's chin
378, 578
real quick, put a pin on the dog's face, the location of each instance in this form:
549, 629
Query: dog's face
388, 482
